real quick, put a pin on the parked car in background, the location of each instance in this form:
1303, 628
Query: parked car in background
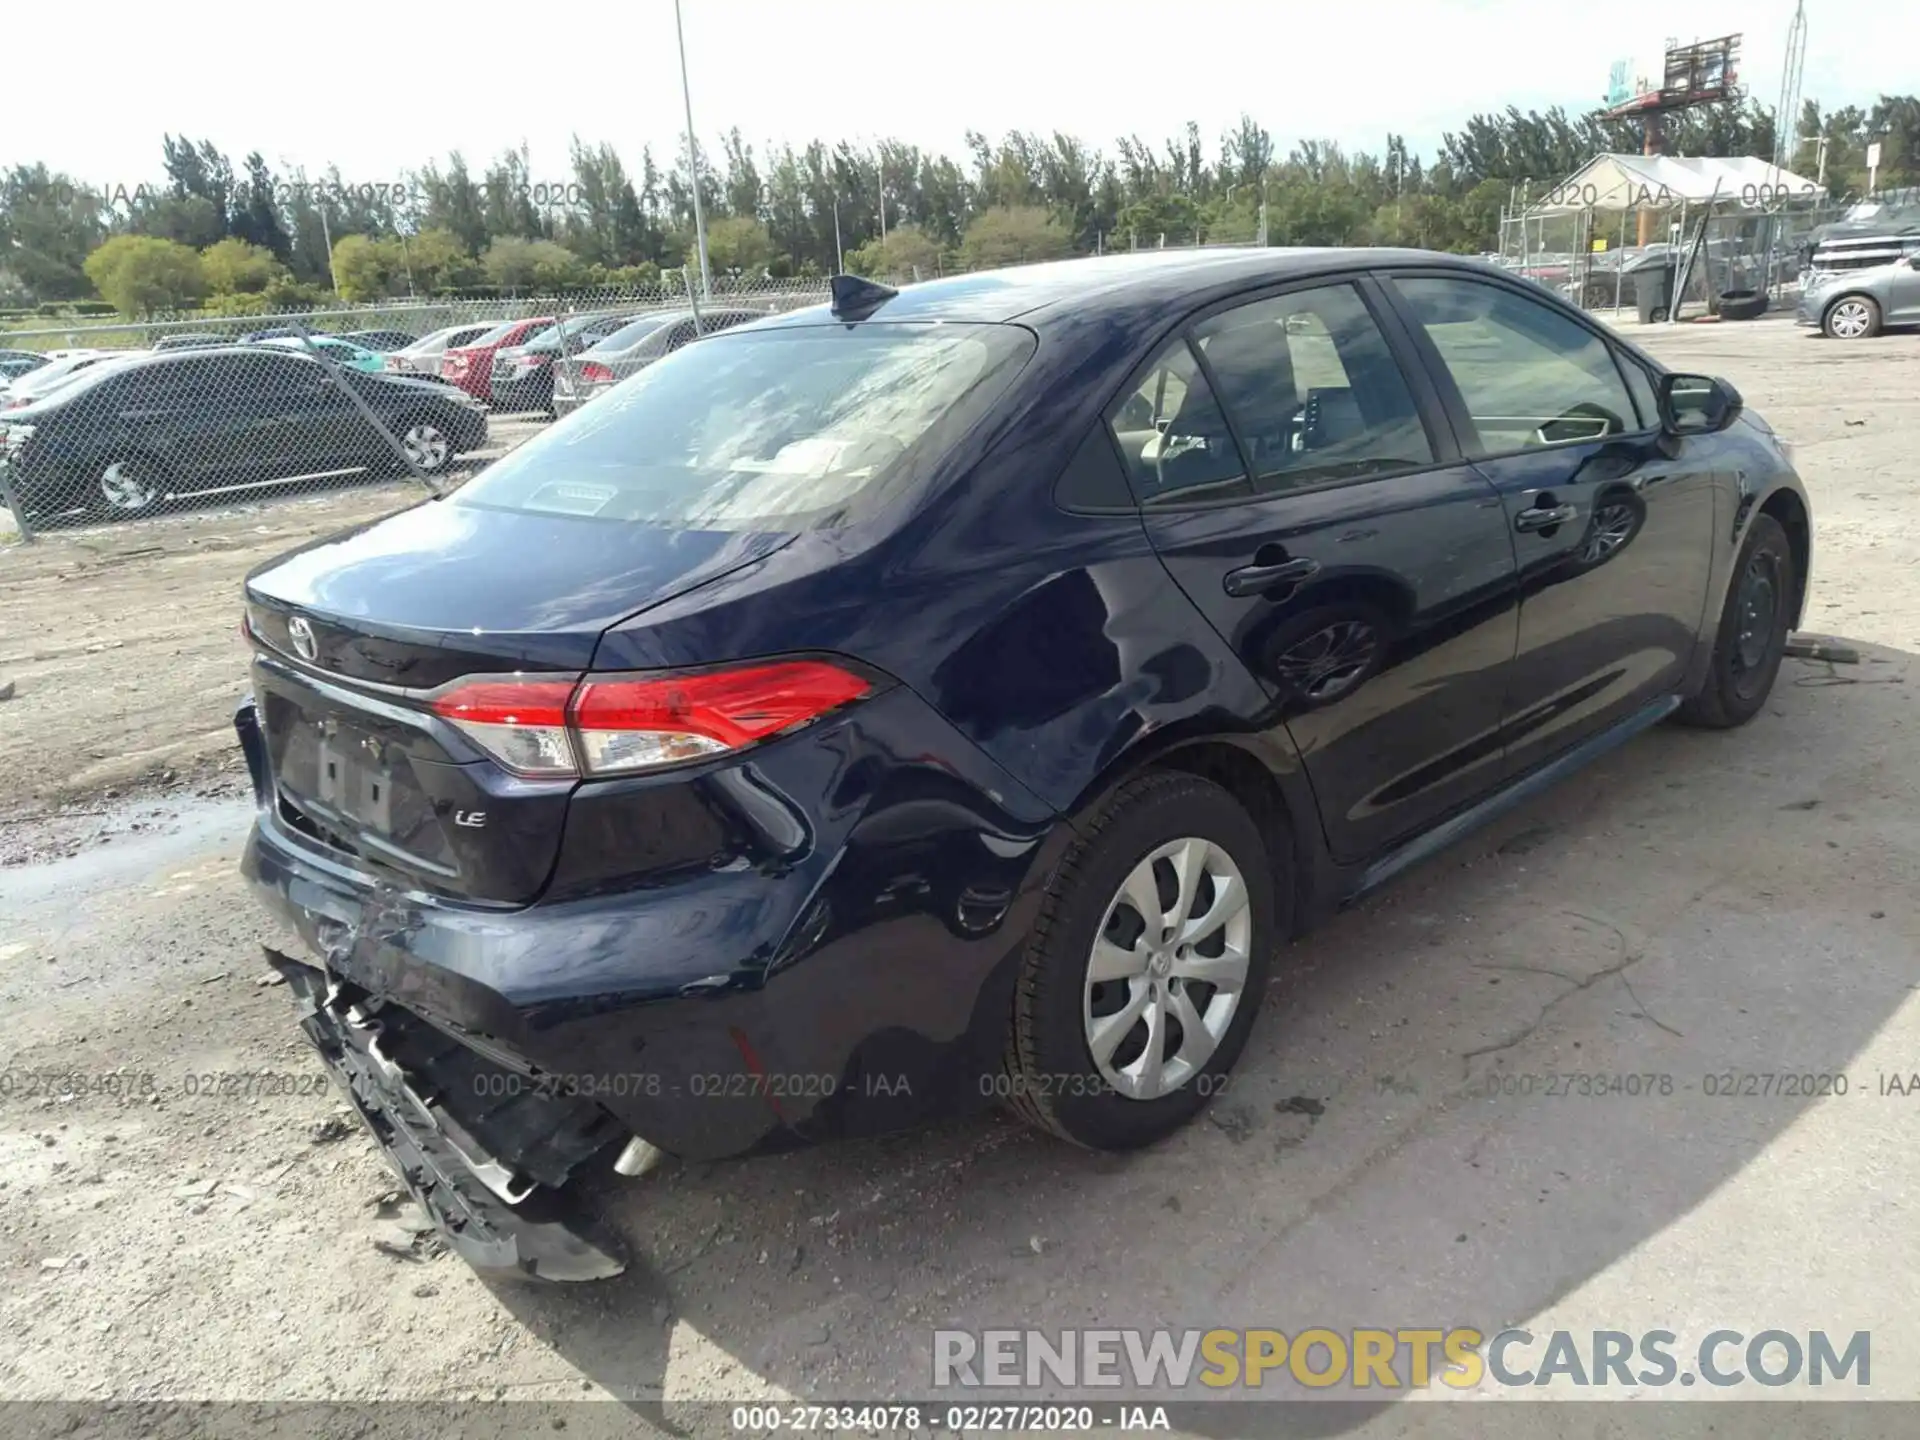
470, 366
125, 439
976, 686
50, 377
1859, 285
341, 352
522, 376
189, 342
380, 341
279, 332
423, 356
14, 363
636, 345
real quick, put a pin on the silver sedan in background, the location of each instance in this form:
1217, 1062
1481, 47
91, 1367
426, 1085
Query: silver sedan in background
636, 345
422, 358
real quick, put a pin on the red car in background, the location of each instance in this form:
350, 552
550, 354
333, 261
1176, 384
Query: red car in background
471, 366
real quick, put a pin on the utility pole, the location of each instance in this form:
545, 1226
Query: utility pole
693, 158
1786, 115
326, 234
839, 255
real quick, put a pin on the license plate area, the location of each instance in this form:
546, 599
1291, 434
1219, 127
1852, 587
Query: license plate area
352, 783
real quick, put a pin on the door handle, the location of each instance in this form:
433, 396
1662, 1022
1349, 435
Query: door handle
1544, 517
1254, 579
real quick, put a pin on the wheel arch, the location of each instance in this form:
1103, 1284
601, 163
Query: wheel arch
1789, 509
1277, 796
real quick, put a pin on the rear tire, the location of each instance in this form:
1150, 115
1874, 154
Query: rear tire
1852, 317
427, 446
1752, 636
125, 487
1097, 956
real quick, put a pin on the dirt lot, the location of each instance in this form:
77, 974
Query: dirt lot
76, 607
1695, 904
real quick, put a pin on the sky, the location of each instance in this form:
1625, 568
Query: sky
379, 96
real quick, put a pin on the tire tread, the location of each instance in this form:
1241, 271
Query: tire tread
1033, 1103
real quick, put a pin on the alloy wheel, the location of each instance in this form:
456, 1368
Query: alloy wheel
1168, 969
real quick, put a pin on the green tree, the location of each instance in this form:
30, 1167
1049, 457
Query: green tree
438, 261
256, 213
1014, 235
140, 274
738, 244
365, 268
47, 226
908, 253
233, 267
514, 263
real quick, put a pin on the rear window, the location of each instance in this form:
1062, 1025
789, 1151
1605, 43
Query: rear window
496, 334
776, 430
633, 332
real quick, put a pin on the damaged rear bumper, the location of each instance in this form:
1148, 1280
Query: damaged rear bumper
478, 1145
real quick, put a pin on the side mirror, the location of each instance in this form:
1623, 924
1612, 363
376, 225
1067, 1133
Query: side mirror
1697, 404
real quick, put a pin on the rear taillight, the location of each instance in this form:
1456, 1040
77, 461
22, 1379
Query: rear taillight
521, 723
621, 724
594, 373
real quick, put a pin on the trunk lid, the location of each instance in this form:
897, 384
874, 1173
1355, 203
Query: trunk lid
353, 631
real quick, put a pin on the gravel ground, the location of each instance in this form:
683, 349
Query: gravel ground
1693, 904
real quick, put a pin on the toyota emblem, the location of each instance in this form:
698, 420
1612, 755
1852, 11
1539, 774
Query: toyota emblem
301, 634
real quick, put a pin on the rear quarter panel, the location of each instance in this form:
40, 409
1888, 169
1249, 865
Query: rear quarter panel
1055, 642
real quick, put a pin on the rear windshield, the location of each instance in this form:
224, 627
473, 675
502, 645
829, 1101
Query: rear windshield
633, 332
776, 430
496, 334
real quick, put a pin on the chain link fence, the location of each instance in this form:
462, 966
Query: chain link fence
1593, 256
119, 421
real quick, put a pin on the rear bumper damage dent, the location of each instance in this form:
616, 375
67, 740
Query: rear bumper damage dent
497, 1221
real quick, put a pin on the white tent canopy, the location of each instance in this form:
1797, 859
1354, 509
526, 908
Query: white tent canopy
1628, 182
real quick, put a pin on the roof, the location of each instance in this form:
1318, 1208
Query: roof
1133, 280
1622, 182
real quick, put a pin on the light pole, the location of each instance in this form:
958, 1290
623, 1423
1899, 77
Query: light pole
693, 161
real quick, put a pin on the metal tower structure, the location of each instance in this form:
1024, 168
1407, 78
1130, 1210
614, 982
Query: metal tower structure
1786, 119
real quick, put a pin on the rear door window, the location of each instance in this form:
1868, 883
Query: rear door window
778, 430
1173, 437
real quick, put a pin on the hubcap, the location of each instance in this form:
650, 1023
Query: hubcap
1168, 969
1328, 661
425, 446
1849, 319
1759, 606
123, 489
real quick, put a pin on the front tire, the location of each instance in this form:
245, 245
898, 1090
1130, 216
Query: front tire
427, 446
1752, 637
1852, 317
1147, 966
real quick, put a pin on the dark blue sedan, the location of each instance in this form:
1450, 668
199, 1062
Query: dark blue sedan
958, 696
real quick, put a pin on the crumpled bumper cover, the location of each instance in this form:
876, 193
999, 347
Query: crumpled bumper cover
494, 1214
